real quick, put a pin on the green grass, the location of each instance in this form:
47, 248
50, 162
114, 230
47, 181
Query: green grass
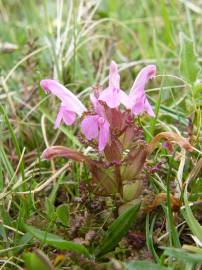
74, 43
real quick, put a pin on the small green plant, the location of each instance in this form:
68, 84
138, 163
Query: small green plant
113, 133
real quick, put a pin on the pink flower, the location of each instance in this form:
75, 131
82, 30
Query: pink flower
113, 95
137, 93
70, 104
95, 126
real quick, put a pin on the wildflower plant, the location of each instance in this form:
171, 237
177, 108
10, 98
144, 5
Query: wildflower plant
111, 128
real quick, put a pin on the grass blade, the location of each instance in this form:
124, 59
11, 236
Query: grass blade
183, 255
140, 265
13, 137
56, 241
149, 237
117, 230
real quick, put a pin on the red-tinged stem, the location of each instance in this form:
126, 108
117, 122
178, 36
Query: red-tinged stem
119, 180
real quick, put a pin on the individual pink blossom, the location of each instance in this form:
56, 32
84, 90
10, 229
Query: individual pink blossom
70, 104
113, 95
137, 93
95, 126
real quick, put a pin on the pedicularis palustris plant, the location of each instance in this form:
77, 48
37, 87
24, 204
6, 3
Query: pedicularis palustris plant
111, 128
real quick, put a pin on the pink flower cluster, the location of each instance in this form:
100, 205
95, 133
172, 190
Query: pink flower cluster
96, 125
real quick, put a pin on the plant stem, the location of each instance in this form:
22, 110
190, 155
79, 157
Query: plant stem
119, 180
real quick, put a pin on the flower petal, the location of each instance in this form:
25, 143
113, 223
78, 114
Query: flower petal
103, 134
67, 97
137, 93
148, 108
58, 119
142, 78
98, 108
111, 97
114, 77
138, 108
125, 99
142, 105
89, 126
111, 94
67, 116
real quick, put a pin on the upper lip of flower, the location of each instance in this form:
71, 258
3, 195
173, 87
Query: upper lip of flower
67, 98
137, 93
